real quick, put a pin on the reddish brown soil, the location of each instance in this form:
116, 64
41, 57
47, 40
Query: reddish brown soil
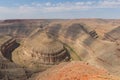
75, 71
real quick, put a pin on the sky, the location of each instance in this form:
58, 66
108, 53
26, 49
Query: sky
59, 9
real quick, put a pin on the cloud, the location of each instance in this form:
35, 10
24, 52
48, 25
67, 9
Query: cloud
109, 4
66, 6
28, 10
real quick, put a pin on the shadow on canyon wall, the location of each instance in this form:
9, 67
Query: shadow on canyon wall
73, 31
55, 30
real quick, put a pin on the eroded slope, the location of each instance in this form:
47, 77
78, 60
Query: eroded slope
75, 71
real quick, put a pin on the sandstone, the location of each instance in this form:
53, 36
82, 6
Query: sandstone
40, 50
97, 43
75, 71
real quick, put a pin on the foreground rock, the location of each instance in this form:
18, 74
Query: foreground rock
74, 71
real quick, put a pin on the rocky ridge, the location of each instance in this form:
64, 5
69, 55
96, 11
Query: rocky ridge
75, 71
102, 52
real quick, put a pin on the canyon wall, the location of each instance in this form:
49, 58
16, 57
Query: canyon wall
98, 44
100, 52
9, 70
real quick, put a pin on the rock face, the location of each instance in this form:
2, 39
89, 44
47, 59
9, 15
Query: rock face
8, 47
40, 50
21, 28
101, 52
9, 70
74, 71
113, 35
98, 44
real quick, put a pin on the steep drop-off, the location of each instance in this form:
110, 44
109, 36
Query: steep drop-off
8, 69
75, 71
102, 52
98, 43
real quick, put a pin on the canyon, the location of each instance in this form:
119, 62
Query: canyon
31, 49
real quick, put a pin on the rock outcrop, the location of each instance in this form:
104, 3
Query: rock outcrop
11, 71
8, 69
98, 44
21, 28
8, 47
40, 50
101, 52
75, 71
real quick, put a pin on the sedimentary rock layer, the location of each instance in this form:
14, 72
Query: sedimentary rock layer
40, 50
8, 69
